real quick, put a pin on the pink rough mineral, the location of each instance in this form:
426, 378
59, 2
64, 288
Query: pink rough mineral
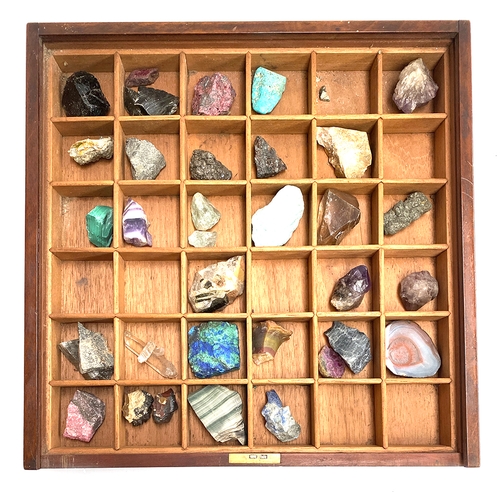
213, 96
330, 365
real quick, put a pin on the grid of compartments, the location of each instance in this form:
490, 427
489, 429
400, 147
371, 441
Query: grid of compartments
145, 290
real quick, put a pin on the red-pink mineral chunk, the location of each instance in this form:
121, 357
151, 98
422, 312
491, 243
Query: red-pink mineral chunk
330, 365
142, 76
85, 415
213, 96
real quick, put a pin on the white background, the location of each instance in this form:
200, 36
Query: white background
293, 483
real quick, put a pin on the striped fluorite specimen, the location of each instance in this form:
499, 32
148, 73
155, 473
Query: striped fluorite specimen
85, 415
410, 351
220, 411
267, 337
135, 225
214, 348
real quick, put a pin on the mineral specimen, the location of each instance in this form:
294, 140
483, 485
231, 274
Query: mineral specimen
404, 212
330, 364
142, 76
85, 414
96, 359
348, 150
164, 407
267, 161
213, 95
349, 290
202, 239
214, 348
205, 167
415, 87
338, 213
82, 96
267, 90
203, 214
99, 223
279, 420
351, 344
417, 289
137, 407
135, 225
89, 151
410, 351
220, 411
267, 337
148, 101
151, 354
217, 285
323, 94
146, 160
274, 224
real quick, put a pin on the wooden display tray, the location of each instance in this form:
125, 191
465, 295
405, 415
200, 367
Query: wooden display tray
373, 418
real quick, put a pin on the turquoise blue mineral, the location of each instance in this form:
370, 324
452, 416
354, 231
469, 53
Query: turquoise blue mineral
267, 89
214, 348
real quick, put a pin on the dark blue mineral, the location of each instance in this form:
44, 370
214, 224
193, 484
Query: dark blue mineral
213, 348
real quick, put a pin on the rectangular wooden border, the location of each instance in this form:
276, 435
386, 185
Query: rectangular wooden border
354, 33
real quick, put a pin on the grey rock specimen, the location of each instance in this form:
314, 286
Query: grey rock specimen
279, 420
145, 159
415, 87
203, 214
204, 166
404, 212
274, 224
351, 344
267, 161
89, 151
202, 239
417, 289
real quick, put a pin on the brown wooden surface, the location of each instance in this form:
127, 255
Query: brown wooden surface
86, 271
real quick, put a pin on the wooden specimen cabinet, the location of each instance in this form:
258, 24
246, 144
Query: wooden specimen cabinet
372, 418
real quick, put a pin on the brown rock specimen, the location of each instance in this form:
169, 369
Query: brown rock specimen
348, 150
417, 289
267, 338
338, 213
415, 87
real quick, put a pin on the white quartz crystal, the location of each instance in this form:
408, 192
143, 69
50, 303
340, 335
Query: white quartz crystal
274, 224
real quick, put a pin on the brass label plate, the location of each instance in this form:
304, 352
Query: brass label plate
255, 458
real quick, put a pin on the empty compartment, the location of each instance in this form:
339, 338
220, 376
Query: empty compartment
164, 333
334, 265
280, 282
64, 135
223, 138
197, 433
414, 149
70, 207
65, 63
229, 199
82, 286
393, 62
398, 265
368, 124
206, 64
161, 206
295, 67
264, 192
167, 65
292, 359
61, 397
348, 79
291, 140
348, 414
151, 434
163, 134
216, 357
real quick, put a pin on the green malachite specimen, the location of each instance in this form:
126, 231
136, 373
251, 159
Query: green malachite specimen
100, 226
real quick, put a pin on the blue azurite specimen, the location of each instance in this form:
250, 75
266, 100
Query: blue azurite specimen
214, 348
279, 420
267, 89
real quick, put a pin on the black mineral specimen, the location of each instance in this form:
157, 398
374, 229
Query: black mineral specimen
148, 101
83, 96
204, 166
164, 407
267, 162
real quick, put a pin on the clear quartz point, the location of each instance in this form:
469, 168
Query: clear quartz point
151, 354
